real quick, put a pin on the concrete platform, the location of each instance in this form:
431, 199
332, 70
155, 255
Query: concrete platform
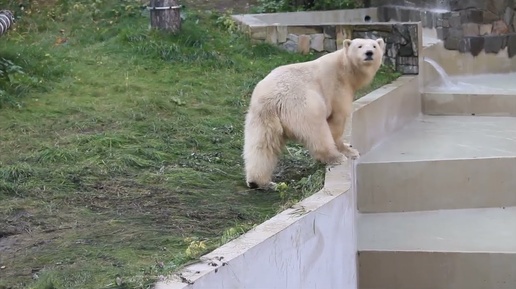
487, 104
468, 248
441, 162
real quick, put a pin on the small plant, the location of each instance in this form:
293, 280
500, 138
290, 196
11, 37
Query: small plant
12, 79
226, 22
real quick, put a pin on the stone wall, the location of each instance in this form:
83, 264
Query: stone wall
401, 39
464, 25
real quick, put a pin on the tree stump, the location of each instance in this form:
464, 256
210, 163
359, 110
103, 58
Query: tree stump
165, 15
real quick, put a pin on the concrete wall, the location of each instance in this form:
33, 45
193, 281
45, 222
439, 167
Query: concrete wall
401, 39
313, 244
309, 18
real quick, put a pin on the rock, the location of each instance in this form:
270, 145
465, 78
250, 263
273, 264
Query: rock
489, 17
414, 39
470, 29
282, 33
406, 50
473, 44
303, 45
508, 16
511, 45
472, 16
485, 29
317, 42
330, 45
494, 43
442, 33
293, 37
500, 27
290, 46
329, 32
455, 20
451, 42
272, 35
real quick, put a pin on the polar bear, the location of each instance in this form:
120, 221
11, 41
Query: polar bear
307, 102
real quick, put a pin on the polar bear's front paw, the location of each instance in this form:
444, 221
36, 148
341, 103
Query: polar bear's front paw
350, 152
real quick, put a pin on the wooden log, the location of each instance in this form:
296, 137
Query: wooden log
165, 15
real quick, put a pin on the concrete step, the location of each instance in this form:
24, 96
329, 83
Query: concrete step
450, 249
487, 104
482, 94
441, 162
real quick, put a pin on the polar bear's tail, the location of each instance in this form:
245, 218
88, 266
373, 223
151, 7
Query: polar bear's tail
263, 142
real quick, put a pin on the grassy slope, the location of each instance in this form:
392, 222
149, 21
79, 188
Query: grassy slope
126, 146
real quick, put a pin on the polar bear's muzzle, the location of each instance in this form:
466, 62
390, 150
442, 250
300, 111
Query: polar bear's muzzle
369, 55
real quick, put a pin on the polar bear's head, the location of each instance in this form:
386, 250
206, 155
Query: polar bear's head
365, 52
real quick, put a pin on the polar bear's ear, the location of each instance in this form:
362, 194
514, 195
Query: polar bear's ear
346, 43
381, 43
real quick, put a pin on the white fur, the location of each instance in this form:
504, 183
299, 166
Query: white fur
308, 102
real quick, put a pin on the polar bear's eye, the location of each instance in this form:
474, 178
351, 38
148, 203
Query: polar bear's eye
360, 46
374, 46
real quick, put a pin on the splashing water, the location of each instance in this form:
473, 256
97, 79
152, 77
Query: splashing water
477, 83
444, 76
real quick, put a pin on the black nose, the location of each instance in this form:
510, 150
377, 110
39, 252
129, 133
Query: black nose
369, 53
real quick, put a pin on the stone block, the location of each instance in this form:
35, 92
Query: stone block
414, 39
404, 15
407, 60
304, 30
282, 33
508, 17
451, 42
494, 43
272, 35
343, 32
431, 19
330, 45
414, 15
472, 16
485, 29
446, 23
489, 17
473, 45
514, 22
303, 45
500, 27
497, 6
406, 50
471, 29
455, 20
259, 33
392, 14
317, 42
329, 31
383, 13
511, 45
293, 37
456, 5
442, 33
290, 46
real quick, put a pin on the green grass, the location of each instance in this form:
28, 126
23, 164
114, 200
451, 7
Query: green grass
121, 148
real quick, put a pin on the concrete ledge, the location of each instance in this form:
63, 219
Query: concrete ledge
422, 270
436, 185
384, 111
469, 104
